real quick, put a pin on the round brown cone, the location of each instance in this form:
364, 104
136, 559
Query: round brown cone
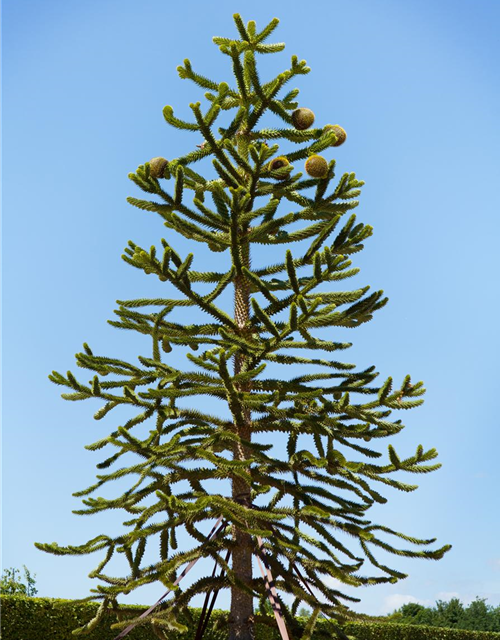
302, 118
339, 132
157, 167
317, 167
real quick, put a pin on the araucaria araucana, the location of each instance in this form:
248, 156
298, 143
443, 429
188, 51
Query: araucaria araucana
303, 496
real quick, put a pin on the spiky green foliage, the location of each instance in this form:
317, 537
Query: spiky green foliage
306, 497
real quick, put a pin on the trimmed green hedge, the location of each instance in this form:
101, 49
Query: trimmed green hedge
54, 619
39, 619
390, 631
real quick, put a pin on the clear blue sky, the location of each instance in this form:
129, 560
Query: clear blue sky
414, 83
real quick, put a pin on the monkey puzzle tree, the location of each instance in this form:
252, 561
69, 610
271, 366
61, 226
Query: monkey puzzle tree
294, 503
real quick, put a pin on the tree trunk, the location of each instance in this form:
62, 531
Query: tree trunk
241, 618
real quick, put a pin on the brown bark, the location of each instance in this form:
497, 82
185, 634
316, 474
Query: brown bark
241, 618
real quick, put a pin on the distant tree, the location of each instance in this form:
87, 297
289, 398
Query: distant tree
495, 619
450, 614
413, 613
478, 616
304, 613
10, 583
412, 609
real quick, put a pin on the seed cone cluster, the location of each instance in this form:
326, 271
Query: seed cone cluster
316, 166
